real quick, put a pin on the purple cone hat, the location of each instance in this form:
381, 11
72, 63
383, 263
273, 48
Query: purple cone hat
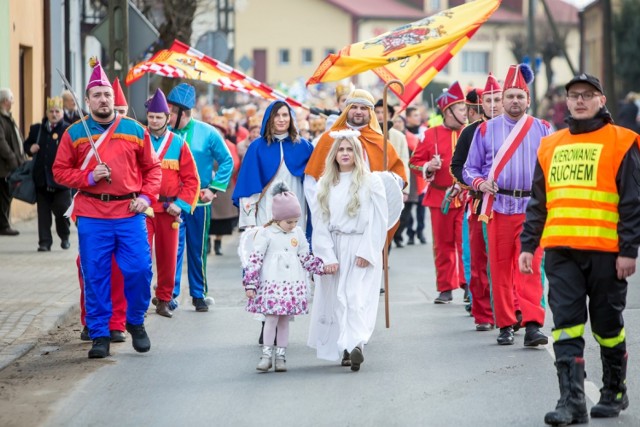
157, 103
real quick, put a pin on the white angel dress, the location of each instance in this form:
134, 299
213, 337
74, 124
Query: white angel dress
345, 304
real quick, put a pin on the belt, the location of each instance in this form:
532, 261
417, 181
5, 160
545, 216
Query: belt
109, 197
167, 199
515, 193
438, 187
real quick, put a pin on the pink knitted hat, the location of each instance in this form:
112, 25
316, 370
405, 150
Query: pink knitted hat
285, 204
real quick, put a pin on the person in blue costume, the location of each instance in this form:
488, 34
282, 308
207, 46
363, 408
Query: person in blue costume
279, 154
207, 147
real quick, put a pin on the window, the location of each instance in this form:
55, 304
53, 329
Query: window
328, 51
475, 62
434, 5
283, 57
307, 56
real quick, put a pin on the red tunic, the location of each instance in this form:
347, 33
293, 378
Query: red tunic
437, 140
134, 167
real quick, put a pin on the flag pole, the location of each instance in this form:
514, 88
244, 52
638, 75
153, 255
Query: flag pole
385, 135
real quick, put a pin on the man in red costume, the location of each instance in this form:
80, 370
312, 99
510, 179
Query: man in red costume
431, 160
112, 194
490, 107
178, 192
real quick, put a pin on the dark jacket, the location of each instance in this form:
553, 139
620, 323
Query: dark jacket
10, 146
48, 141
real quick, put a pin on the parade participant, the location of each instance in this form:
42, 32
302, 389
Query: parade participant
349, 233
279, 154
417, 185
500, 164
179, 192
51, 198
11, 156
207, 147
224, 215
120, 104
275, 277
490, 107
399, 142
358, 114
254, 125
585, 213
72, 112
473, 102
431, 161
109, 204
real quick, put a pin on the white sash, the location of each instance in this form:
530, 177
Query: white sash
162, 144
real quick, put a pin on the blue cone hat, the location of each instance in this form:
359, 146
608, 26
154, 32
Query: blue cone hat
183, 96
157, 103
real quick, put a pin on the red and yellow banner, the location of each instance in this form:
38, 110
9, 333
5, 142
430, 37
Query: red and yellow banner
183, 62
409, 51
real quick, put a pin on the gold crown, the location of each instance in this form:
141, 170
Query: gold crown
344, 89
55, 102
93, 61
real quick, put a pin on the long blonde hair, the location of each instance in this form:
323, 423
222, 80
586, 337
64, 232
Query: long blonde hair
331, 176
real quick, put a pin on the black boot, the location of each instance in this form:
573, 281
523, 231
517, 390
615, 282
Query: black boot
100, 348
572, 406
613, 394
216, 247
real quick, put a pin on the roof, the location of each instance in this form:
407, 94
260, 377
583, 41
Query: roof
380, 9
561, 11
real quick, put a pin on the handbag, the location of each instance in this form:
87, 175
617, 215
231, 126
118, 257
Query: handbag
21, 183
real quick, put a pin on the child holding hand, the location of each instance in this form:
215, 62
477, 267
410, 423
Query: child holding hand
275, 278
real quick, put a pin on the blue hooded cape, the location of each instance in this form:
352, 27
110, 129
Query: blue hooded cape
261, 161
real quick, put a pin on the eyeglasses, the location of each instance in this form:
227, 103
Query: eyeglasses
586, 96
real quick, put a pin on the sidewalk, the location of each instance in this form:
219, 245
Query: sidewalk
38, 290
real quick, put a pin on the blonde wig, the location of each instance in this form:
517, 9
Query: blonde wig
331, 174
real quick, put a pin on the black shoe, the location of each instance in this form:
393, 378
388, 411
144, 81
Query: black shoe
422, 239
200, 305
398, 243
43, 248
139, 337
65, 244
518, 324
9, 232
444, 298
533, 337
482, 327
346, 359
117, 336
84, 335
217, 245
100, 348
467, 295
411, 240
357, 358
506, 336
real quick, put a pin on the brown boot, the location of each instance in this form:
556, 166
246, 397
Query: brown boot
163, 309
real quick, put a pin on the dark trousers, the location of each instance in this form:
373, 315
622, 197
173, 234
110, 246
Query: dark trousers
419, 221
54, 202
5, 204
573, 276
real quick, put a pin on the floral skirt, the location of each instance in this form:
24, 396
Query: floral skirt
279, 298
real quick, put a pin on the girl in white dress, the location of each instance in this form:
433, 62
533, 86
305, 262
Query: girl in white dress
349, 232
275, 278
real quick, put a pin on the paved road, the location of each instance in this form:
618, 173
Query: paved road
430, 368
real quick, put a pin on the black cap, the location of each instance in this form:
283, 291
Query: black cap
390, 108
585, 78
474, 97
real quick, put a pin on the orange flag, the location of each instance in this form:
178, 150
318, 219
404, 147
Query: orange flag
182, 61
436, 38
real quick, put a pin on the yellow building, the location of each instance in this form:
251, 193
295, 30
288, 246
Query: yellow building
22, 66
287, 40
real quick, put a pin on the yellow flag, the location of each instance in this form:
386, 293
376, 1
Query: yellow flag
423, 37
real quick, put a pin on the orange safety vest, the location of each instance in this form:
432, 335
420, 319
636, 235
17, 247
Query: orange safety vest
582, 196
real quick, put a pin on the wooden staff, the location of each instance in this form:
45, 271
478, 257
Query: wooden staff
385, 135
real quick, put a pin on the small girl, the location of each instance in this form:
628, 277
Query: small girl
274, 277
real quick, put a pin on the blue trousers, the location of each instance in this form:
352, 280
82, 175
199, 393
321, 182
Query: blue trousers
126, 238
194, 231
466, 248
